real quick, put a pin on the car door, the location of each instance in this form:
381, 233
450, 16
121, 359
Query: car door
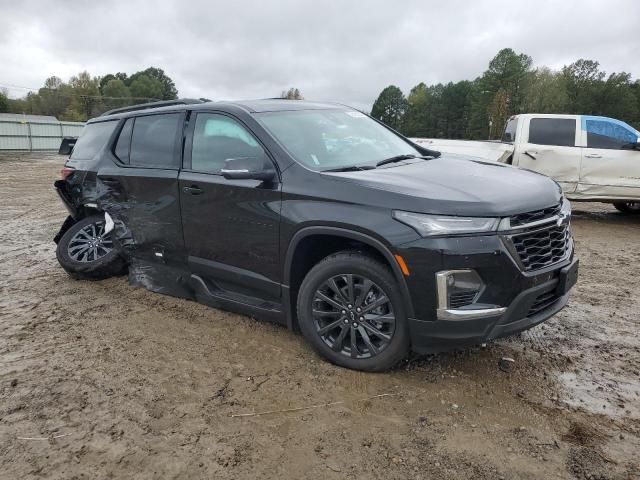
550, 147
610, 160
231, 227
140, 188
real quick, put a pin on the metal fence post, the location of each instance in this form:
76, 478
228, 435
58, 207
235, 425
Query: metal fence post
29, 134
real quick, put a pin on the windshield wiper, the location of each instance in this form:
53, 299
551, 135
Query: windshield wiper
352, 168
397, 158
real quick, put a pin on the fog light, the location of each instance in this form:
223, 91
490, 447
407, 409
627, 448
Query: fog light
458, 288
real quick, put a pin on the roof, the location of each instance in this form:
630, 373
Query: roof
280, 104
251, 106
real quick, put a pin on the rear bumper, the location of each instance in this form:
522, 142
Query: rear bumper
430, 336
62, 189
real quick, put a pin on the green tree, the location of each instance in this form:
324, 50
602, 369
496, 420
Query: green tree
4, 101
510, 72
110, 76
85, 102
616, 98
498, 112
54, 98
145, 89
292, 94
480, 98
390, 107
116, 94
583, 78
546, 93
635, 88
416, 121
168, 89
456, 106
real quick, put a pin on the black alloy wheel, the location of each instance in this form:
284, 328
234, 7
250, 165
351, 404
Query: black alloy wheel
351, 309
90, 243
353, 316
85, 251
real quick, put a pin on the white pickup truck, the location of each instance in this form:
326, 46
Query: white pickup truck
592, 158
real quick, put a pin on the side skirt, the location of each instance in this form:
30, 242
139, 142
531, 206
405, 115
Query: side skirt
208, 294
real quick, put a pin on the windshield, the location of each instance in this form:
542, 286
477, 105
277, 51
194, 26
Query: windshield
334, 139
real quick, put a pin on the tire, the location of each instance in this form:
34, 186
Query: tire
628, 207
329, 326
84, 258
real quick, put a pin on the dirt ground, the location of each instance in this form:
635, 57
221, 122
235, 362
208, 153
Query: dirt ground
101, 380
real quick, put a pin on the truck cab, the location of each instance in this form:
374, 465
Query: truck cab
593, 158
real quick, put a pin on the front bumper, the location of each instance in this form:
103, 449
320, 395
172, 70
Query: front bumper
441, 335
515, 300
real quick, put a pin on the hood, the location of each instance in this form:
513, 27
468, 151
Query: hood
457, 185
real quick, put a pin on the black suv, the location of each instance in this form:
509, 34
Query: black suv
317, 216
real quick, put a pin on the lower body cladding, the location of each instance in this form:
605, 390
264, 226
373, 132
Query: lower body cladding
469, 290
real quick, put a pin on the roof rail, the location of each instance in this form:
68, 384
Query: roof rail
144, 106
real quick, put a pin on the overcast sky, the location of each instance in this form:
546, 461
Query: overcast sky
344, 51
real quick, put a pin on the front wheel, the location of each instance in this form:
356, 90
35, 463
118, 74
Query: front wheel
628, 207
351, 311
86, 252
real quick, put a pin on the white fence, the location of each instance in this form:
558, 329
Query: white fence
34, 132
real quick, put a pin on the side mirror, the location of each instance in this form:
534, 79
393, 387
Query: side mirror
637, 144
248, 168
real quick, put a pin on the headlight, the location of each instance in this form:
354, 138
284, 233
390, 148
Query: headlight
429, 225
565, 210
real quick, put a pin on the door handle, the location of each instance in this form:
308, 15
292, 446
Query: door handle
193, 190
531, 154
593, 155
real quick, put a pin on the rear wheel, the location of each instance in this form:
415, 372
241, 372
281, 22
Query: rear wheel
351, 311
628, 207
85, 251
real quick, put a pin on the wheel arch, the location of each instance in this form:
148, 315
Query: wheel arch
339, 239
83, 211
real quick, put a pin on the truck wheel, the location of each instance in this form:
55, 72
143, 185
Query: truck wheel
351, 311
85, 252
628, 207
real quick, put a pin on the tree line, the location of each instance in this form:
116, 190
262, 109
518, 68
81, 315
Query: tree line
85, 96
478, 109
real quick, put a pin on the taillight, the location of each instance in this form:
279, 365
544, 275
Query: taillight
65, 172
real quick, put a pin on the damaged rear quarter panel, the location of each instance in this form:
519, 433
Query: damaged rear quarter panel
144, 204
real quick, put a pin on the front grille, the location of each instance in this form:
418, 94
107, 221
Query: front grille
543, 301
536, 215
543, 247
462, 299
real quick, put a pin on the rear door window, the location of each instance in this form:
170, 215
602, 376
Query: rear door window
553, 131
94, 136
611, 135
154, 141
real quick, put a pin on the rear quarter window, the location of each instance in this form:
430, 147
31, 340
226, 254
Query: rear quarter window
94, 136
560, 132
